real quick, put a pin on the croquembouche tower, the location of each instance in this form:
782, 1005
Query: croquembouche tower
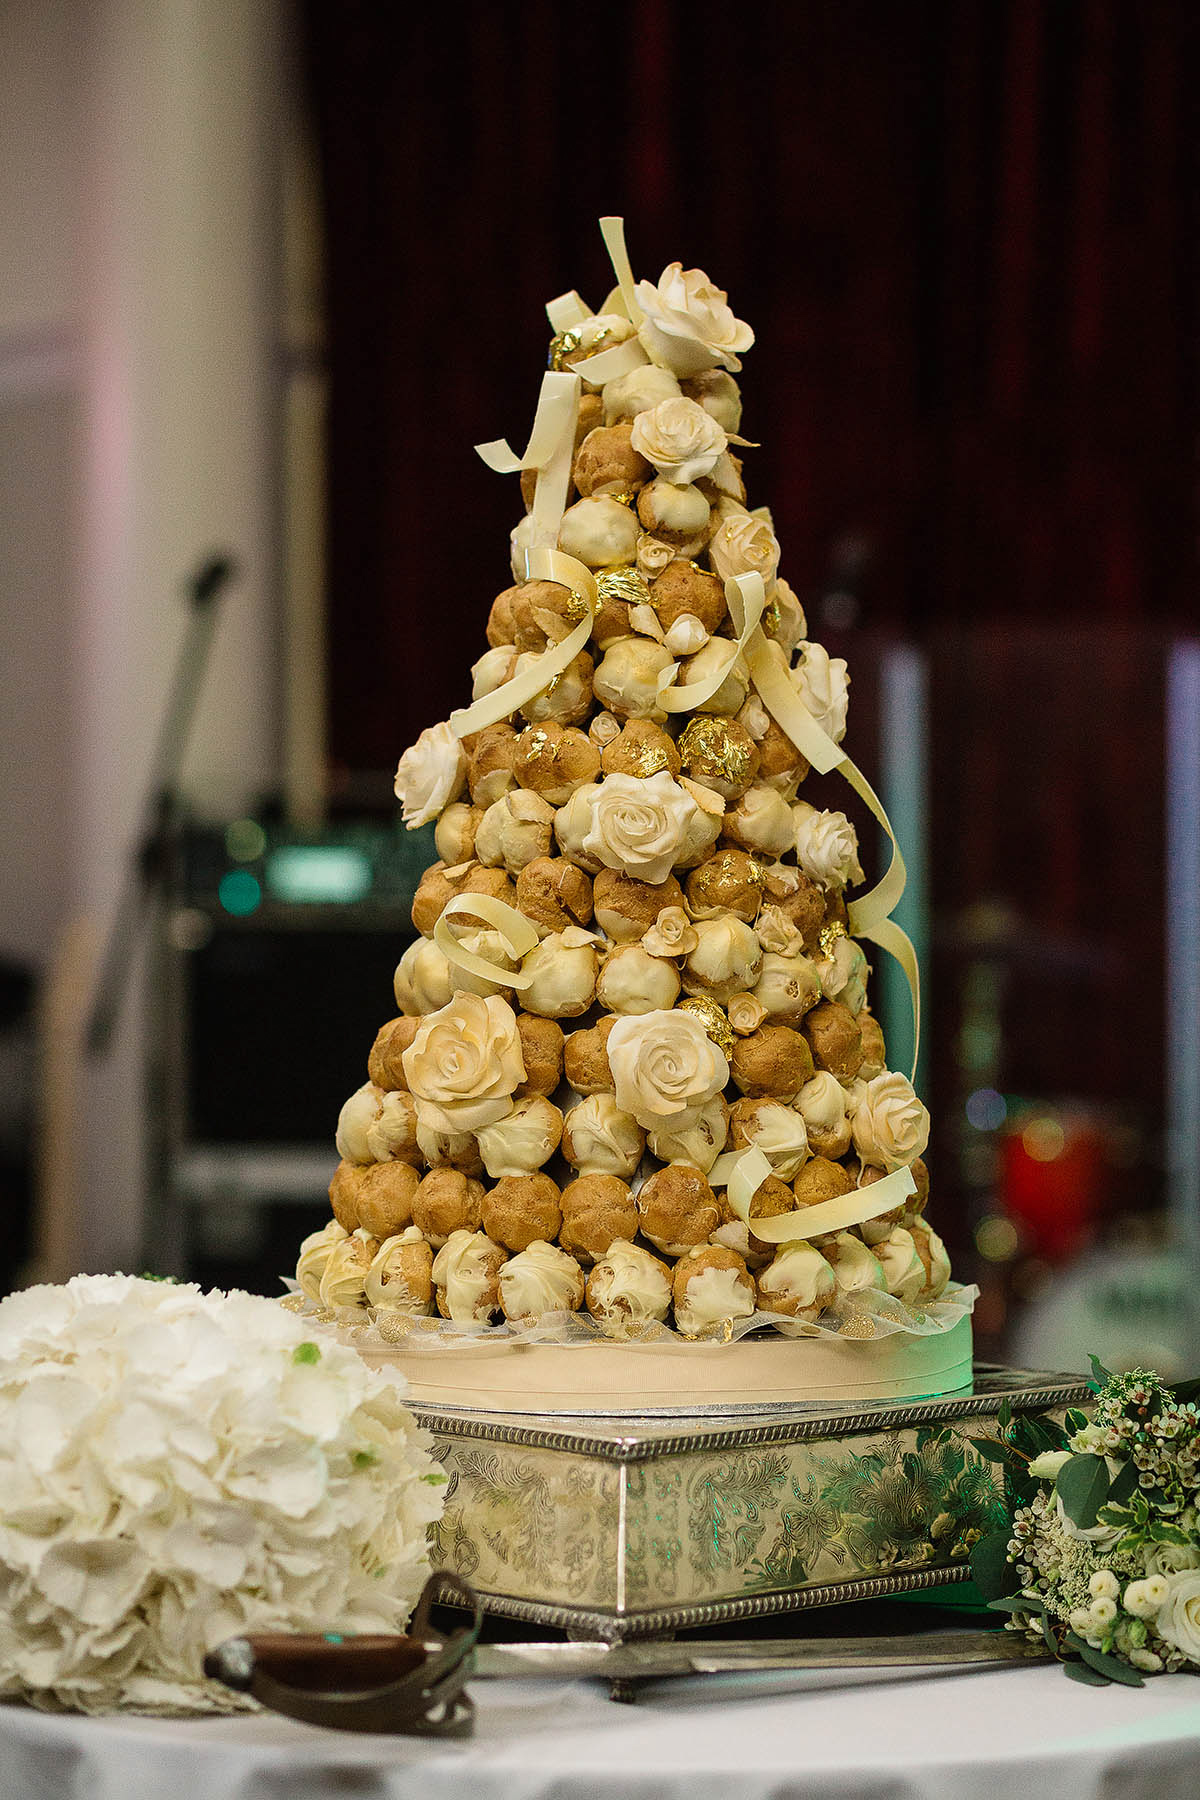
634, 1093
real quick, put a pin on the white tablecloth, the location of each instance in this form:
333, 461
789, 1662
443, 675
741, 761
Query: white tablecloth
1012, 1734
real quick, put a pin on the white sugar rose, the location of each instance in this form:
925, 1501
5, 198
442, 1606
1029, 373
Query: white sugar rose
599, 1139
653, 555
672, 934
744, 544
1178, 1621
826, 846
639, 824
688, 325
464, 1063
891, 1126
822, 684
431, 774
680, 439
628, 395
665, 1067
524, 1140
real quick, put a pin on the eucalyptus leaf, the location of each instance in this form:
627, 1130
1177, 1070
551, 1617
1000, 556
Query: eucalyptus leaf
1082, 1486
1081, 1671
1015, 1603
991, 1570
1123, 1484
990, 1448
1100, 1375
1111, 1667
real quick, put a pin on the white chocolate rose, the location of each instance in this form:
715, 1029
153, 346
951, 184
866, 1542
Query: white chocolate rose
431, 774
891, 1126
465, 1269
599, 1139
745, 1013
464, 1063
788, 987
780, 1133
665, 1067
672, 934
653, 555
698, 1144
522, 1141
681, 439
399, 1278
627, 677
707, 663
744, 544
726, 959
761, 820
454, 834
540, 1279
639, 824
562, 971
633, 981
902, 1268
718, 393
343, 1280
711, 1297
357, 1116
628, 1288
855, 1269
826, 846
422, 981
844, 974
823, 685
392, 1136
800, 1281
603, 729
628, 395
492, 670
515, 830
687, 324
315, 1252
777, 933
600, 532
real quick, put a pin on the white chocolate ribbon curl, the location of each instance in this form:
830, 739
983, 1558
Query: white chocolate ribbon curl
742, 1173
513, 929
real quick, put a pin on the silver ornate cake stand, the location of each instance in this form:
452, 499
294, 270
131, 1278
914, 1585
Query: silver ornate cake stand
619, 1528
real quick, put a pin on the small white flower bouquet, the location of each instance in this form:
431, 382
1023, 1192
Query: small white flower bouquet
177, 1468
1101, 1555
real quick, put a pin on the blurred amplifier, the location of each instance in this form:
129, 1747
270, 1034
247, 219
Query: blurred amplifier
280, 951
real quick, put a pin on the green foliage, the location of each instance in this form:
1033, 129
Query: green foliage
991, 1570
306, 1353
1100, 1375
1082, 1486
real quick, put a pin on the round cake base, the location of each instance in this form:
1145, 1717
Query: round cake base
506, 1375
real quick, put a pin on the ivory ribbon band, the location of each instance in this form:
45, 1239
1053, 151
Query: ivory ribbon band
541, 564
743, 1172
745, 596
612, 230
514, 930
607, 365
566, 311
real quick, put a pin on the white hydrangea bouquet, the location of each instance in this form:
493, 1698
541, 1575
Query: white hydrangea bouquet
180, 1467
1100, 1556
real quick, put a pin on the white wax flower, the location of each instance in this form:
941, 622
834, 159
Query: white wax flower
514, 830
687, 323
180, 1468
699, 1143
464, 1063
891, 1126
599, 1139
628, 395
665, 1067
826, 846
638, 823
680, 438
357, 1116
627, 1288
430, 775
600, 532
744, 544
315, 1252
465, 1269
562, 970
538, 1280
633, 981
523, 1141
726, 959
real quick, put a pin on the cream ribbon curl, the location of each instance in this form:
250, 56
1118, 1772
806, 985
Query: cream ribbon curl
742, 1173
515, 931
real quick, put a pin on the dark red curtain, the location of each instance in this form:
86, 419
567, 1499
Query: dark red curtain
962, 230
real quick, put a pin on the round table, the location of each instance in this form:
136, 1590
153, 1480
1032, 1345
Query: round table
1009, 1734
